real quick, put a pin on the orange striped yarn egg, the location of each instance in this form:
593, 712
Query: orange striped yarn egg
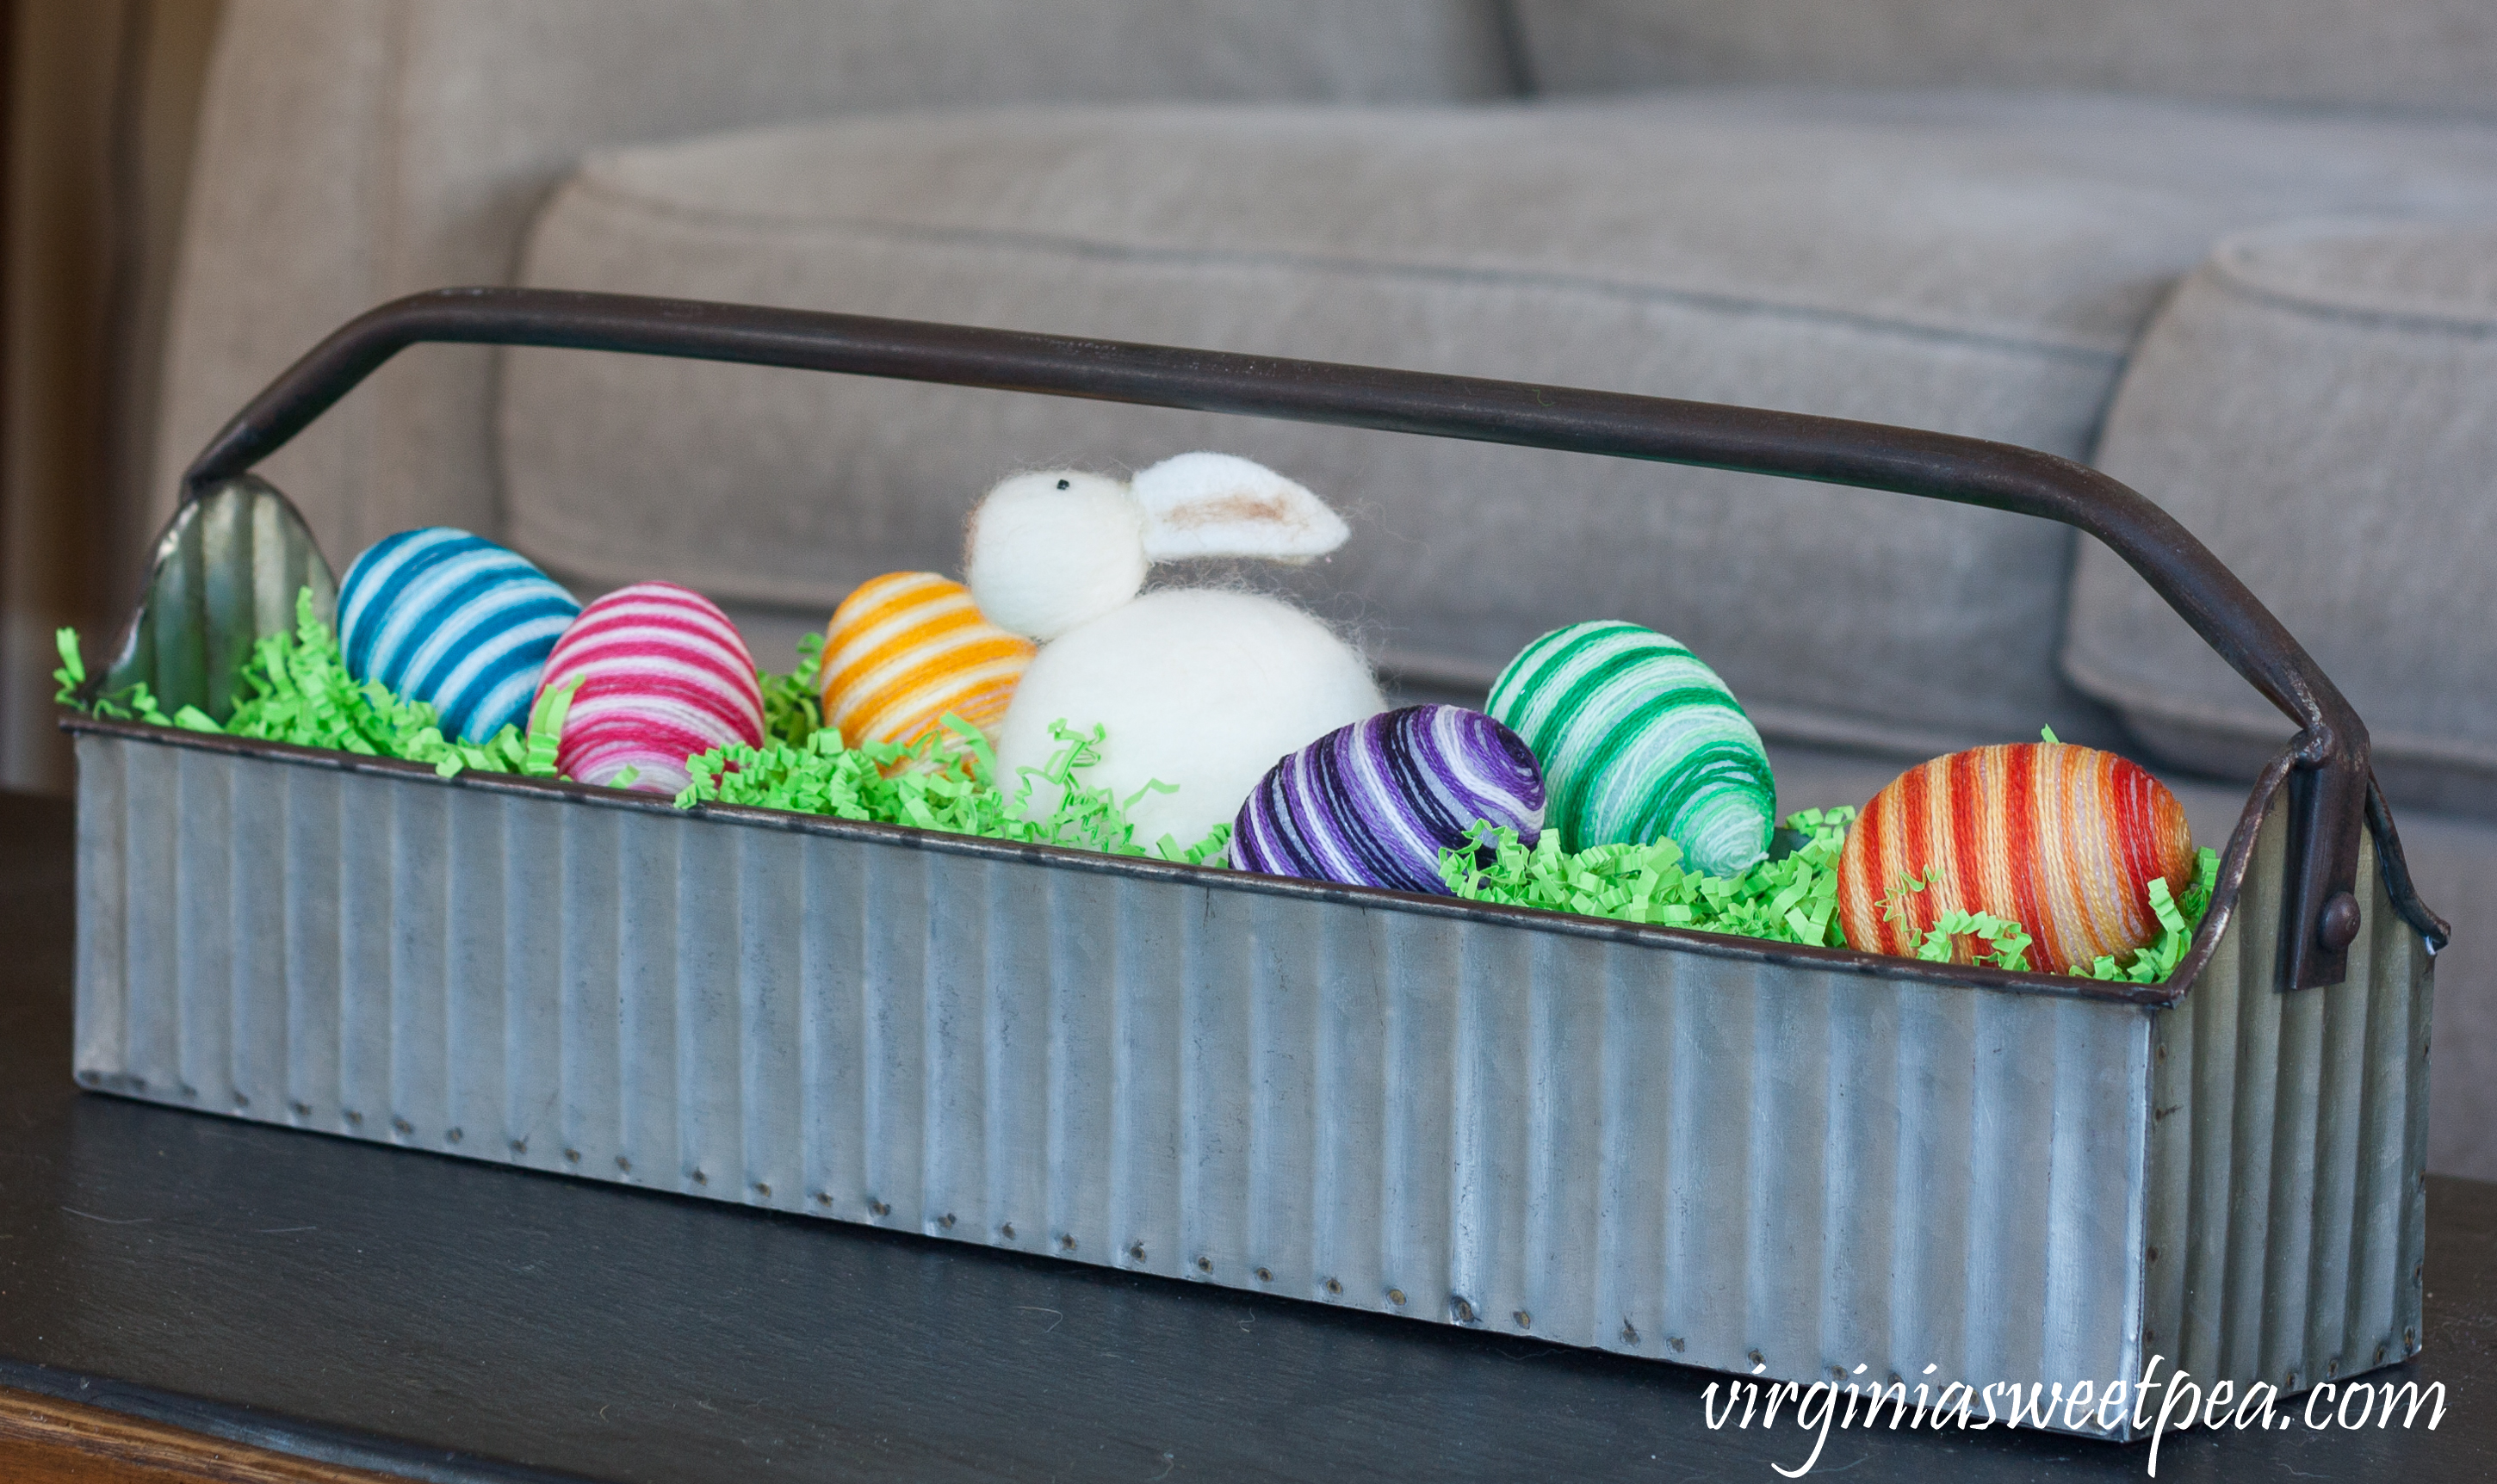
2064, 840
905, 649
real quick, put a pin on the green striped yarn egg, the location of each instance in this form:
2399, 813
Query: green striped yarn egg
1639, 742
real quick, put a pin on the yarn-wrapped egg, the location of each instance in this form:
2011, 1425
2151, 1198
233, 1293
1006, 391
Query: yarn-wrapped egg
1640, 741
1375, 803
663, 676
2062, 840
906, 647
443, 617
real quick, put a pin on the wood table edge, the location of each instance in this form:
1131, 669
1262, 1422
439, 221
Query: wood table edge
46, 1441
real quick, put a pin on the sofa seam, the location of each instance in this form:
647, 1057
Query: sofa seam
2110, 354
2127, 695
1509, 29
2236, 280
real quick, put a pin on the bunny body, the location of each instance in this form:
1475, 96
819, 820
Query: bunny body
1201, 689
1198, 688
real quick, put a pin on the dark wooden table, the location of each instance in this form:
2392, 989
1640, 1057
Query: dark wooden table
388, 1310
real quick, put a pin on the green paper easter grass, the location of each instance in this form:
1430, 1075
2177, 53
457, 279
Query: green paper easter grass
1792, 898
943, 781
2006, 943
296, 689
1789, 899
2177, 919
793, 709
946, 781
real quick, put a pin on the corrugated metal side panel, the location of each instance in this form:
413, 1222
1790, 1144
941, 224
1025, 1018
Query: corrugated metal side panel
1600, 1143
107, 863
2288, 1191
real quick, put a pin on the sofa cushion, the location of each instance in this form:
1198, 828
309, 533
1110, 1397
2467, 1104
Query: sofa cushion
2320, 405
2424, 55
1979, 265
353, 152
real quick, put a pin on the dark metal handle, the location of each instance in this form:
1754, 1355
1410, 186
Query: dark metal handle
2328, 791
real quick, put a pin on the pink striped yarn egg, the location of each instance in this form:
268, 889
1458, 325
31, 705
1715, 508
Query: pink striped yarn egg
663, 676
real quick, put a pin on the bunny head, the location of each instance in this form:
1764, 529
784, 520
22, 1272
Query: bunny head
1198, 689
1048, 551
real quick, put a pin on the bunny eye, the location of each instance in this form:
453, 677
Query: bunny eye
1063, 484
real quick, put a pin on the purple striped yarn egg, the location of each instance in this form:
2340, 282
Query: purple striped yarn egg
664, 675
1373, 803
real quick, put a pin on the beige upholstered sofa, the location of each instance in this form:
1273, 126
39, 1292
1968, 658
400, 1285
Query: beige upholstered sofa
2238, 252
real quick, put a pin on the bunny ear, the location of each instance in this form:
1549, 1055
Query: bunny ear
1217, 505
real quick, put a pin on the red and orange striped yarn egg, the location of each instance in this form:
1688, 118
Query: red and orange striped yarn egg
2064, 840
663, 675
905, 649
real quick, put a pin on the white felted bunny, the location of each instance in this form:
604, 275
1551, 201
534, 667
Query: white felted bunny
1199, 688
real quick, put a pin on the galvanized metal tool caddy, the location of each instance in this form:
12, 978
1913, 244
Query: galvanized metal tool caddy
1719, 1151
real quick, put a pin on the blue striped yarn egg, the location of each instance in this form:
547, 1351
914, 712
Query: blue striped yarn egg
440, 615
1375, 803
1640, 741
